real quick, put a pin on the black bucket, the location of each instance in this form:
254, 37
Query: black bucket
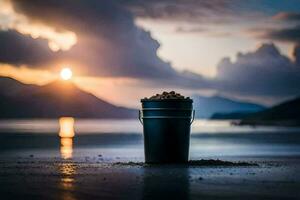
167, 125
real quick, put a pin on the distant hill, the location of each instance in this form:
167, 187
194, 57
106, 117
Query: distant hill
206, 107
234, 115
286, 114
59, 98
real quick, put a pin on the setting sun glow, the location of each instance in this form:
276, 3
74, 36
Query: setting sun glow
66, 74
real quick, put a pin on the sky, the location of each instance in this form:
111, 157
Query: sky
124, 50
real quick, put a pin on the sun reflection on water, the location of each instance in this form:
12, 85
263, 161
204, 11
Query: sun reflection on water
66, 134
67, 168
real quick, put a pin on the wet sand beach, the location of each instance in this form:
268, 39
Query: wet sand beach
226, 163
93, 178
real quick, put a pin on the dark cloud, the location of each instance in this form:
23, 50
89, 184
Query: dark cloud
22, 49
290, 34
296, 54
287, 16
286, 32
264, 72
109, 43
213, 11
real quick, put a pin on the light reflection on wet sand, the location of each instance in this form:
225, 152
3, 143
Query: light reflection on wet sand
67, 180
66, 148
67, 168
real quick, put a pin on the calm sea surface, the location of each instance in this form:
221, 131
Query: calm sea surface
122, 139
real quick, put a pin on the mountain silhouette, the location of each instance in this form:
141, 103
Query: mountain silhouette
206, 107
286, 114
56, 99
64, 98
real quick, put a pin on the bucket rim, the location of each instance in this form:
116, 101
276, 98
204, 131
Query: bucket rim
167, 100
175, 109
166, 117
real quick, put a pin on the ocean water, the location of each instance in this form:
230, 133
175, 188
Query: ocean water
112, 140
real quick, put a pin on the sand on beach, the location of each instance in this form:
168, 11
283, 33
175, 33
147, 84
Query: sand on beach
41, 165
93, 178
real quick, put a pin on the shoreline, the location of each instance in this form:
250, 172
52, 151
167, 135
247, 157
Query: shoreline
285, 123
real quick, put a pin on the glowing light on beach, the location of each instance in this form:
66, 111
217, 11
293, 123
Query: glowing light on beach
66, 73
66, 133
66, 125
66, 148
67, 172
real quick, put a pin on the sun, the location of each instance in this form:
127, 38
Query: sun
66, 74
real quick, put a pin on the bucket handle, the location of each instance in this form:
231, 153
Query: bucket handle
141, 120
193, 117
140, 117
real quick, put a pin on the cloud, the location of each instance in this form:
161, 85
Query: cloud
290, 34
264, 72
11, 20
204, 31
213, 11
287, 30
109, 44
108, 41
296, 54
190, 30
287, 16
178, 9
20, 49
